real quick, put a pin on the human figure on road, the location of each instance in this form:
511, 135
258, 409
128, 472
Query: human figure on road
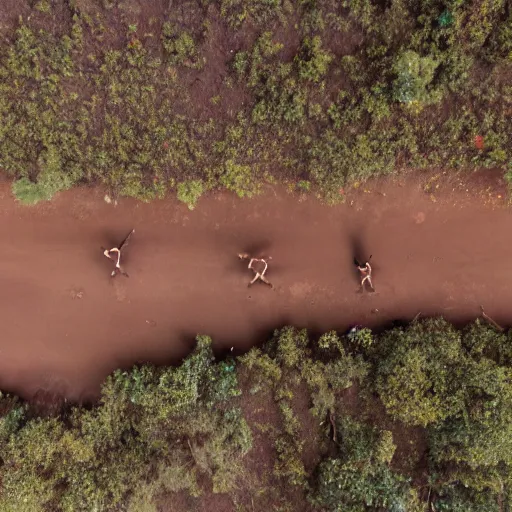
258, 266
114, 254
365, 272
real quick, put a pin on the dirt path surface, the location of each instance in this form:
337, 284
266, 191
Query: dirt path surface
66, 325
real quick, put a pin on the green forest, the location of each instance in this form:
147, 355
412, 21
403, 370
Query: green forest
415, 418
191, 96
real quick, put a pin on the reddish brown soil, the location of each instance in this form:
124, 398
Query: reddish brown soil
66, 324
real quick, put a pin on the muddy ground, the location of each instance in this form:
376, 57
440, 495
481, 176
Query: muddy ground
66, 324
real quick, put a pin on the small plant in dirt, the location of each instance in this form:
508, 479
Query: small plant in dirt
180, 47
43, 6
313, 61
254, 11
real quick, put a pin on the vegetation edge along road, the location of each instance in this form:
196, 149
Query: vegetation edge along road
233, 94
415, 418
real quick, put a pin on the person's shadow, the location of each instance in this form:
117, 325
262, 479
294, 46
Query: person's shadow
359, 256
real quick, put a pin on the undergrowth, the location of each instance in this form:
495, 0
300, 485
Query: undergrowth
323, 93
415, 418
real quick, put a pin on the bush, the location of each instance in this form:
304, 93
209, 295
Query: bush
481, 340
33, 466
169, 429
239, 179
414, 74
409, 88
313, 62
189, 192
50, 180
339, 372
12, 418
180, 47
480, 435
456, 498
118, 451
419, 370
360, 478
264, 370
289, 464
362, 338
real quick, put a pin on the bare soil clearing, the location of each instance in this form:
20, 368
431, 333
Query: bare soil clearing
66, 324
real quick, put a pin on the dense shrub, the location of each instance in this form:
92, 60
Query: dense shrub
183, 429
474, 446
360, 478
96, 459
419, 370
413, 76
457, 498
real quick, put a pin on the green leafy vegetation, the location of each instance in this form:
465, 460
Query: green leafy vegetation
256, 11
233, 94
189, 192
407, 419
418, 372
170, 424
361, 477
180, 47
413, 75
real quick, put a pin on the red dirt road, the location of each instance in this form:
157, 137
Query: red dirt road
66, 325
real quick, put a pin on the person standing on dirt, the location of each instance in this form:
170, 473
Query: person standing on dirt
258, 266
114, 254
365, 272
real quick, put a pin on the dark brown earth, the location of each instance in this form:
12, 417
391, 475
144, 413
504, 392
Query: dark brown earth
66, 324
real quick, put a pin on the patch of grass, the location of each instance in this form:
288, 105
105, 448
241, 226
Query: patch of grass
256, 11
43, 6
